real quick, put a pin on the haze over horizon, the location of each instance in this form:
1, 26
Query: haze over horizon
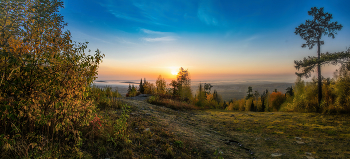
214, 40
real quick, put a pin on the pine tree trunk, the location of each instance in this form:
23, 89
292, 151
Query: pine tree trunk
319, 76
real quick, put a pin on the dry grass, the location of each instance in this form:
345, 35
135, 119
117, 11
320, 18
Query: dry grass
265, 133
148, 138
173, 104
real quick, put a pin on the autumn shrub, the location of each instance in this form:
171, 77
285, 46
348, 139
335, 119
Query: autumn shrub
258, 104
45, 82
161, 86
241, 104
233, 105
104, 97
287, 106
210, 101
248, 104
200, 98
149, 88
276, 99
342, 91
173, 104
132, 92
305, 96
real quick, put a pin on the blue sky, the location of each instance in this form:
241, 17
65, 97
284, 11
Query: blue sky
214, 39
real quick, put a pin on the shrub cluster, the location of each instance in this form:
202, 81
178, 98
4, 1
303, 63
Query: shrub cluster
336, 94
45, 82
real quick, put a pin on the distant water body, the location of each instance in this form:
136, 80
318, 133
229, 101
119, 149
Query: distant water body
227, 89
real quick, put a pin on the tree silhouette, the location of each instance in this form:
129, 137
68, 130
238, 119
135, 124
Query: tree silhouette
161, 85
141, 89
207, 88
129, 88
184, 84
174, 84
250, 90
312, 32
290, 91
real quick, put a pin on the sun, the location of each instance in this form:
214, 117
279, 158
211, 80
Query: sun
173, 72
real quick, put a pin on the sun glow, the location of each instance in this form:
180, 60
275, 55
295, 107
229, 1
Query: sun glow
173, 72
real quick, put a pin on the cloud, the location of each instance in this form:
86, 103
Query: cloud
126, 17
152, 32
136, 12
204, 14
251, 38
123, 41
161, 39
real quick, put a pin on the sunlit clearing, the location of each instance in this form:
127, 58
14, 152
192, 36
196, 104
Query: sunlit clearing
173, 72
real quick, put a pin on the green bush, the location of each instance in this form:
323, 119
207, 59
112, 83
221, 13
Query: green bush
44, 85
342, 90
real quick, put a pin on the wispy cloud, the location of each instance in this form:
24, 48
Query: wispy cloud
153, 36
251, 38
204, 14
152, 32
135, 12
160, 39
85, 36
126, 17
124, 41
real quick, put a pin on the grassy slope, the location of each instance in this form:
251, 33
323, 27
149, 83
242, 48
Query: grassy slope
205, 134
158, 142
323, 135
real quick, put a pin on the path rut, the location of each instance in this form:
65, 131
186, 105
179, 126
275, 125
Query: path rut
192, 125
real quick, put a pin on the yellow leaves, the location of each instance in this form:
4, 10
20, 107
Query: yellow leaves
52, 70
32, 145
209, 97
7, 147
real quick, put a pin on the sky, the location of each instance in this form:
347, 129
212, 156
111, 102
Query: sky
213, 39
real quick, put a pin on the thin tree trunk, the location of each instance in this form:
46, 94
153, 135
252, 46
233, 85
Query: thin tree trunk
319, 76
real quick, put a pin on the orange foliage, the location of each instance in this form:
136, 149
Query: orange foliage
276, 100
209, 97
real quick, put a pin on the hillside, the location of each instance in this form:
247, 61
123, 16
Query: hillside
253, 134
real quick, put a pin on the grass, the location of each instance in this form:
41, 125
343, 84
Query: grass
173, 104
144, 136
140, 130
323, 135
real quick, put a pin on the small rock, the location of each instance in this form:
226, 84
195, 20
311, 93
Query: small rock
308, 153
300, 142
276, 154
298, 138
147, 129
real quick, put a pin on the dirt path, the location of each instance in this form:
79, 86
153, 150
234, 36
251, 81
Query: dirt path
244, 134
192, 125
